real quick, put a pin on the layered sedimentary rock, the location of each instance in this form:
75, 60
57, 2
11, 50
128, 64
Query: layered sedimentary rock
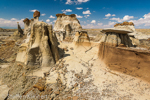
128, 61
17, 34
81, 38
66, 25
63, 20
40, 47
116, 37
26, 25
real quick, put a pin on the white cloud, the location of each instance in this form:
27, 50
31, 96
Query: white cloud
108, 15
11, 23
54, 21
113, 15
110, 24
93, 21
43, 14
87, 12
78, 16
117, 19
142, 21
125, 18
47, 20
67, 10
76, 1
100, 24
51, 16
86, 16
13, 19
79, 8
33, 10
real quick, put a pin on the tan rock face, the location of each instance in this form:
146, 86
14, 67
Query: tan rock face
17, 34
81, 38
126, 26
115, 38
41, 49
36, 14
63, 20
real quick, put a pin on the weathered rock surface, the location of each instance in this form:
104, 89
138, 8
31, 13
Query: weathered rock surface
41, 49
81, 38
114, 37
64, 21
17, 34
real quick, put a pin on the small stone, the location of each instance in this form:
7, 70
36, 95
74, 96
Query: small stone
69, 98
51, 89
75, 85
57, 92
71, 48
75, 98
65, 49
46, 74
54, 68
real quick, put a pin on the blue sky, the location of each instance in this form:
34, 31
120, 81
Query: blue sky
91, 13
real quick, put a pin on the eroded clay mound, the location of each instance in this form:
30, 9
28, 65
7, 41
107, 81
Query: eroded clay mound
63, 20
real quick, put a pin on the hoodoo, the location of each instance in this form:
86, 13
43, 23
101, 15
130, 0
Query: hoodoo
17, 34
116, 37
66, 25
40, 47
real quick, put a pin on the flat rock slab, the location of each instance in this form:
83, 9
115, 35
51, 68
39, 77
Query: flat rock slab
3, 92
120, 31
4, 66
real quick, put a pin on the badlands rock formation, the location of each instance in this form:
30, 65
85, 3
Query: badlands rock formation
130, 26
66, 25
113, 51
63, 20
40, 47
116, 37
81, 39
17, 34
